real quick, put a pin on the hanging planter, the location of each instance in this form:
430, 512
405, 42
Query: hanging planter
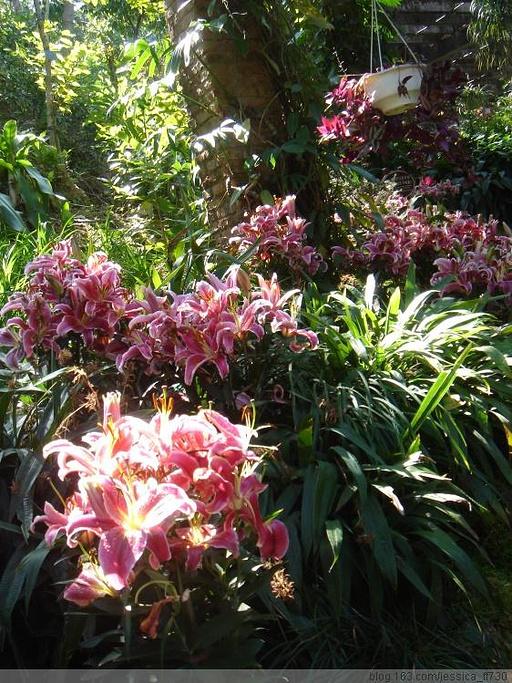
395, 90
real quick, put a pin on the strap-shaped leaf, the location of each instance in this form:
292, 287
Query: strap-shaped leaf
9, 215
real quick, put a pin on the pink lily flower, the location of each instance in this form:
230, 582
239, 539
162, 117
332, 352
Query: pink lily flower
125, 441
11, 339
196, 539
200, 348
272, 536
276, 232
270, 291
56, 522
89, 585
233, 441
129, 521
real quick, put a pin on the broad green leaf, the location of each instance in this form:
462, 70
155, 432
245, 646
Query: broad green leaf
392, 309
413, 577
389, 492
369, 291
411, 288
356, 438
6, 526
26, 476
359, 170
497, 357
31, 566
11, 585
10, 130
266, 197
42, 183
143, 57
9, 215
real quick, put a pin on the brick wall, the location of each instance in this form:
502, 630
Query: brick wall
436, 29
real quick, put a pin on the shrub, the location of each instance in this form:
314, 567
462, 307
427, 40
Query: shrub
417, 140
174, 487
398, 434
486, 127
471, 257
74, 308
276, 235
24, 185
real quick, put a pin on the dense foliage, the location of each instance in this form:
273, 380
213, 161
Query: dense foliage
305, 419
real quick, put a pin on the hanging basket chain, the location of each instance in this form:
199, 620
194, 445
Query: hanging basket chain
397, 31
375, 29
372, 30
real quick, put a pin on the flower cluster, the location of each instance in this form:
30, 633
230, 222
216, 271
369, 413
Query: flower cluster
150, 492
63, 296
392, 248
469, 255
204, 327
277, 232
433, 189
191, 330
487, 266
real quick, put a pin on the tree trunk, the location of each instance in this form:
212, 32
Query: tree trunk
228, 77
15, 6
51, 119
68, 16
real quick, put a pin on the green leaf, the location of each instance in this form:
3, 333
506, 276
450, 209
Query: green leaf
360, 171
377, 527
459, 557
293, 147
9, 215
355, 469
411, 288
320, 485
30, 566
42, 183
392, 309
355, 437
435, 395
9, 131
141, 61
219, 627
497, 358
72, 635
266, 197
334, 530
11, 585
5, 526
412, 576
369, 291
26, 476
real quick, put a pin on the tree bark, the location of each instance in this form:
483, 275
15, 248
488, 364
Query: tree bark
51, 118
68, 15
228, 77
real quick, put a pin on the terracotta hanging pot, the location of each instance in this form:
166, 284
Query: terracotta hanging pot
395, 90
